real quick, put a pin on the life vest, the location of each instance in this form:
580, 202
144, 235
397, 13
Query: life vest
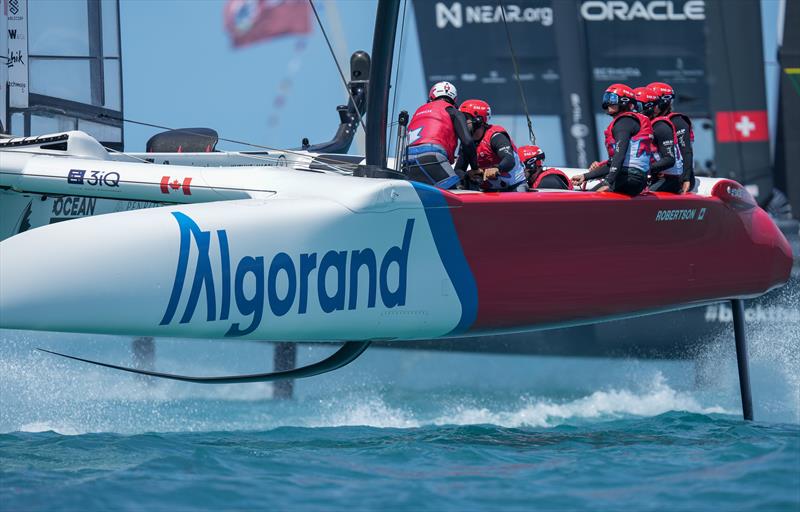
687, 120
677, 169
431, 124
552, 171
487, 158
641, 145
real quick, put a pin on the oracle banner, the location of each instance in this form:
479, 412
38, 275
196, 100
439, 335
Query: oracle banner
636, 42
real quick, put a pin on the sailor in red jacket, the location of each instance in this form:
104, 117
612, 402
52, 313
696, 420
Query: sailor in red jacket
435, 130
497, 155
532, 157
629, 139
683, 130
666, 164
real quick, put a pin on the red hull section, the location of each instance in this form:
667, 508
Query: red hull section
552, 258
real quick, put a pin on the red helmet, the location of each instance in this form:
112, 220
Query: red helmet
534, 153
618, 94
646, 99
661, 89
645, 94
665, 93
478, 109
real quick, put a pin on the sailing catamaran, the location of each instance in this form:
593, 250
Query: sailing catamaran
353, 252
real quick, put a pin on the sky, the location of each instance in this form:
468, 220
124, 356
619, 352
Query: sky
181, 71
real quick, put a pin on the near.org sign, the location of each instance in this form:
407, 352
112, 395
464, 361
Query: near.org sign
465, 42
457, 15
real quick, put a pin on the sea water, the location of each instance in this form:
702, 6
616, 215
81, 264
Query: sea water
398, 430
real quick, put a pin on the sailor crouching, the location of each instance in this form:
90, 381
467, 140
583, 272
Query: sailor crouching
497, 155
434, 131
532, 157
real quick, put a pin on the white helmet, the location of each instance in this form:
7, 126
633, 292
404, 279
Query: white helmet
443, 89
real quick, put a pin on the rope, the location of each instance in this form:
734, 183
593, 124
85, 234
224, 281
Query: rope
336, 61
516, 73
397, 70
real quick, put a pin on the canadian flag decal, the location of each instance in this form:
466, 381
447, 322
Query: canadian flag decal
168, 183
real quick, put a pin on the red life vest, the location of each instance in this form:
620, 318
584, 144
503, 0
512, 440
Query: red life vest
552, 171
487, 158
641, 145
431, 124
677, 168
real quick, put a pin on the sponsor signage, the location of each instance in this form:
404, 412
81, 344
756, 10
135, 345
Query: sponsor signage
282, 283
722, 313
655, 10
680, 214
16, 57
51, 210
3, 69
638, 41
93, 178
465, 42
70, 207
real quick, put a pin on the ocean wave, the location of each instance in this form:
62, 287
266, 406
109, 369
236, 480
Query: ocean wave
658, 399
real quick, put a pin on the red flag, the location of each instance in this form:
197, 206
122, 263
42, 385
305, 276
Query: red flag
249, 21
742, 126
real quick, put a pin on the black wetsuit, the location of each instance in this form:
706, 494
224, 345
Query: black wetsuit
664, 140
684, 132
464, 137
630, 181
501, 145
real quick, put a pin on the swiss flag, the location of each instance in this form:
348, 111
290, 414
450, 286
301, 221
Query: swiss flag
250, 21
742, 126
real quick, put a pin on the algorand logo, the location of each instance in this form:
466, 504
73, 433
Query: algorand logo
655, 10
457, 14
285, 283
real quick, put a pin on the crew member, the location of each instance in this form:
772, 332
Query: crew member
683, 130
628, 141
532, 157
434, 131
497, 155
666, 164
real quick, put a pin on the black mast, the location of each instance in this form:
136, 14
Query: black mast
577, 118
379, 82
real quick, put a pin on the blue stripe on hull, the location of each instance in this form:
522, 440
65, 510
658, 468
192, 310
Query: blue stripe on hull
451, 253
